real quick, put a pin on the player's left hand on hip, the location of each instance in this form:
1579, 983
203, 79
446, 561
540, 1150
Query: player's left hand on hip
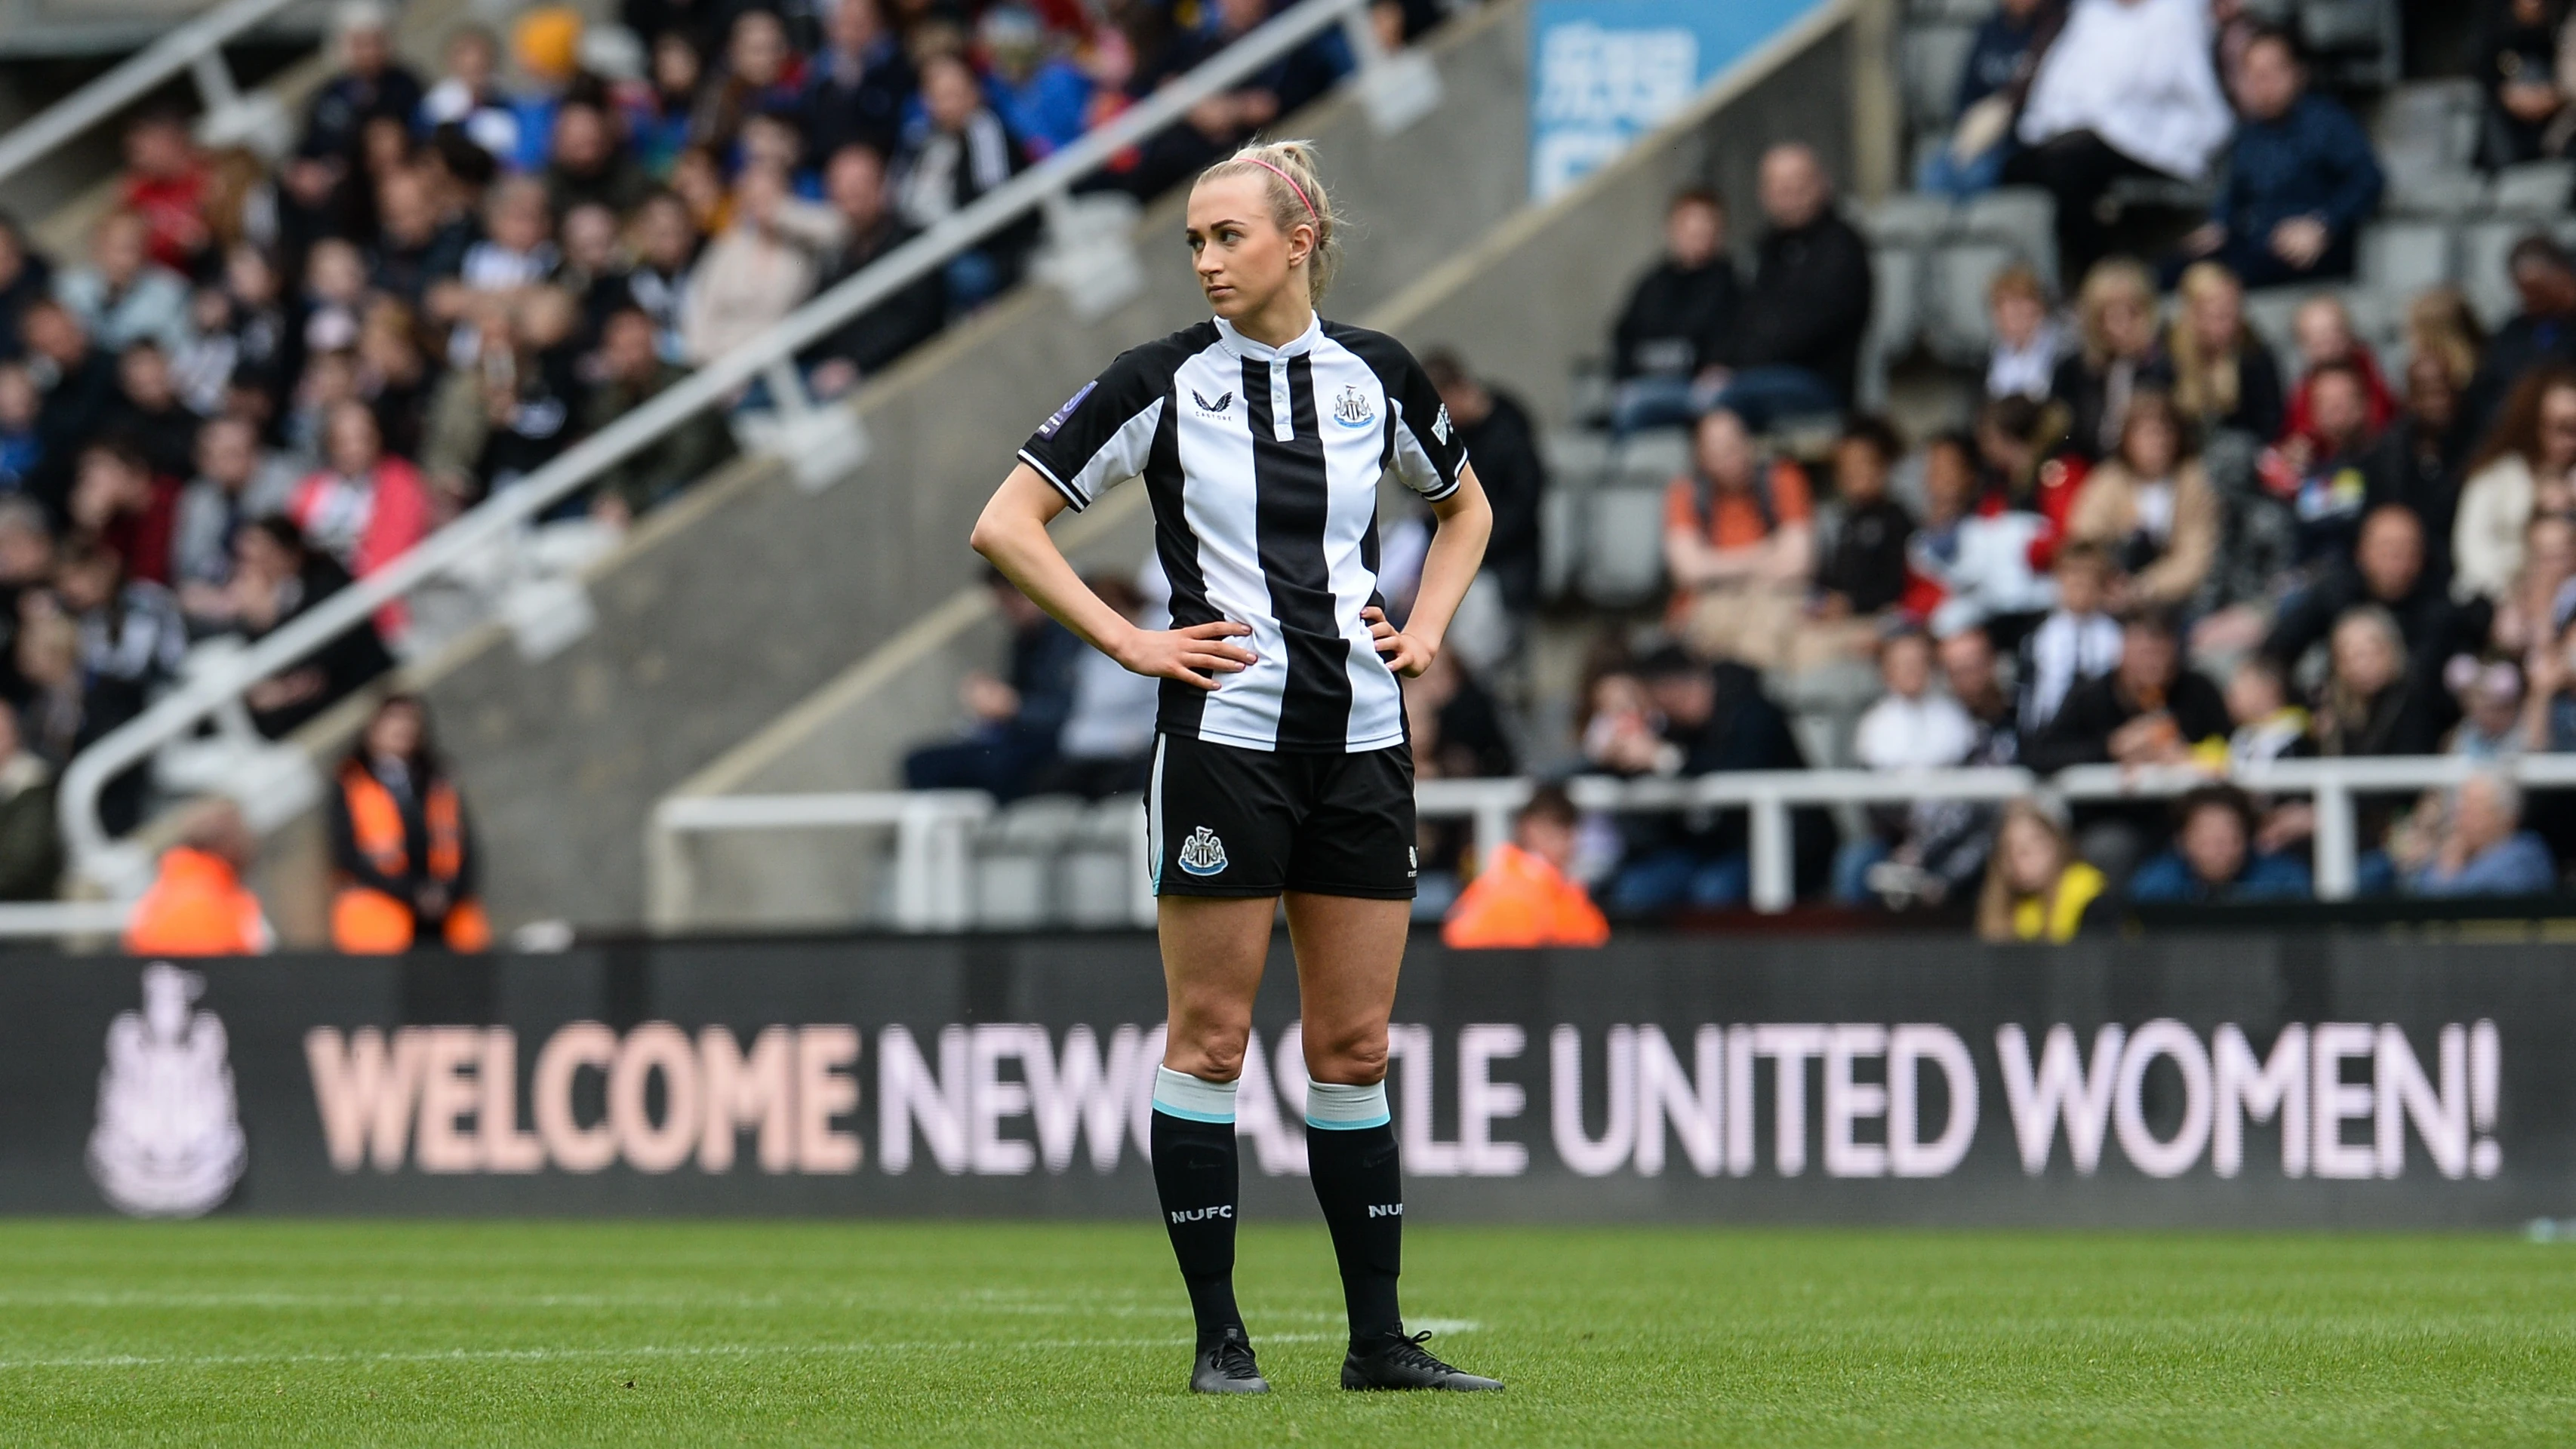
1402, 652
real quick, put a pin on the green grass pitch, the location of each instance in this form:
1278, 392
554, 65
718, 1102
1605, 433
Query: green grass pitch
624, 1333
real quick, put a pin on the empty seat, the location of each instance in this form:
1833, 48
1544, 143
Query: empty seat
2353, 41
1956, 325
1930, 57
1095, 876
2405, 257
2436, 121
2533, 189
2420, 184
2023, 218
1623, 554
2268, 313
1896, 316
1015, 853
1907, 219
2483, 249
1650, 459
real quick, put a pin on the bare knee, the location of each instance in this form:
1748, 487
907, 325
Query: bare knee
1355, 1058
1211, 1051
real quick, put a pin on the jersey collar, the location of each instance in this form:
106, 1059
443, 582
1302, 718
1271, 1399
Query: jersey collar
1297, 346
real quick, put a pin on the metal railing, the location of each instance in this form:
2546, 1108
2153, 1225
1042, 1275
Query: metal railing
933, 856
820, 443
196, 47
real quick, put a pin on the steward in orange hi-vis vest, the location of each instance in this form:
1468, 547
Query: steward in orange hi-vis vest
197, 905
404, 873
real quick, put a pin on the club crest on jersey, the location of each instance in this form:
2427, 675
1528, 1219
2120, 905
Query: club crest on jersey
1440, 425
1047, 428
1202, 853
1224, 403
1353, 409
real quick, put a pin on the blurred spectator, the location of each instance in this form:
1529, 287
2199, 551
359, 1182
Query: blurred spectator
586, 166
1945, 843
1863, 574
1106, 746
1456, 726
1712, 720
1666, 351
514, 411
1795, 344
2003, 56
2125, 90
77, 398
2321, 470
2036, 889
2522, 69
2537, 606
123, 504
2484, 851
166, 184
2115, 323
2213, 859
1911, 727
147, 409
122, 294
2371, 703
2442, 326
2387, 572
2490, 697
197, 904
855, 183
760, 74
1044, 99
20, 448
363, 508
2416, 463
1740, 545
130, 645
2222, 375
31, 847
2076, 643
275, 579
1968, 567
1497, 432
2549, 707
2028, 341
631, 375
759, 270
2300, 177
666, 247
954, 151
2522, 467
1524, 896
369, 85
2322, 329
236, 481
402, 851
2151, 508
656, 111
2542, 330
25, 277
859, 83
2150, 710
1012, 724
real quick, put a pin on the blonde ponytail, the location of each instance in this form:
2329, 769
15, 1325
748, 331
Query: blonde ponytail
1297, 198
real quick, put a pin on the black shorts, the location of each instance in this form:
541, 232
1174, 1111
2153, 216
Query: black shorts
1227, 821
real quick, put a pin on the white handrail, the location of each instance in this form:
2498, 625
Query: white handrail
1768, 795
93, 853
181, 49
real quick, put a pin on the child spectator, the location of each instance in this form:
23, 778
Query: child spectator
1525, 896
1739, 543
2077, 642
2028, 341
2151, 508
1864, 573
2213, 859
2036, 889
1970, 568
1911, 727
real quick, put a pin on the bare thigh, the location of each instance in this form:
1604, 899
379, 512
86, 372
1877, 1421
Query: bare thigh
1213, 950
1348, 953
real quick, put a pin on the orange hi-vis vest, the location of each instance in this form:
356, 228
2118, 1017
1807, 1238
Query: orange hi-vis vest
368, 921
197, 906
1519, 899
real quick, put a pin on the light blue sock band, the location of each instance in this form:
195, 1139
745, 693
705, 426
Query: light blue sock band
1192, 1099
1336, 1108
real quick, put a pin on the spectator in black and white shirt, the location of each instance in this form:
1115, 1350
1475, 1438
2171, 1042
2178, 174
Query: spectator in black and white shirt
953, 153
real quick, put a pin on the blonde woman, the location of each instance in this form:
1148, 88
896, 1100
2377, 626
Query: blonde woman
1281, 772
2441, 324
2036, 889
2223, 376
2115, 327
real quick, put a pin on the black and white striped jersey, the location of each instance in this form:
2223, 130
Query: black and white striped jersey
1262, 465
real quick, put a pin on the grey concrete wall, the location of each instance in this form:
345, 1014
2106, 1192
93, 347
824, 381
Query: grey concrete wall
755, 594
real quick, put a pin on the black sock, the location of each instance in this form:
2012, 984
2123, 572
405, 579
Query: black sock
1361, 1186
1196, 1175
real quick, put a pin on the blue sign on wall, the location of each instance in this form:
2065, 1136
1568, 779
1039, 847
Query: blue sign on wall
1604, 72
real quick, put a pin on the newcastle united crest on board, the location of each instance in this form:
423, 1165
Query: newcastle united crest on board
168, 1141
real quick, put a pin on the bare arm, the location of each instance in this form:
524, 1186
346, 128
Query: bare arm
1694, 562
1465, 521
1012, 533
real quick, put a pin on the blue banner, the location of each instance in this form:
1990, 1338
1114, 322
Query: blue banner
1605, 72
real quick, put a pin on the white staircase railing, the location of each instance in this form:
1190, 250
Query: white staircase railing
1091, 255
931, 855
254, 119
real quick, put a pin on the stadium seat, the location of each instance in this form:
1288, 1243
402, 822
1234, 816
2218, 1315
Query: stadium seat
2352, 43
1014, 852
2023, 218
2428, 186
2405, 257
2483, 247
2268, 313
2533, 189
1930, 57
1896, 304
1957, 328
1623, 562
1907, 219
1095, 875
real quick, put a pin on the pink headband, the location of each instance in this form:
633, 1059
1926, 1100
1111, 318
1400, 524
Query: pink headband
1292, 184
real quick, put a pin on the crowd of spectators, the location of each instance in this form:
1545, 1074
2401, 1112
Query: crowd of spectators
258, 381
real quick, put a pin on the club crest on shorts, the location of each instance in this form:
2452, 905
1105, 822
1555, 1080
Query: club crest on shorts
1202, 853
1352, 409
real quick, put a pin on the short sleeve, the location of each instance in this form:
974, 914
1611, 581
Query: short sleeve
1102, 433
1429, 455
1681, 507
